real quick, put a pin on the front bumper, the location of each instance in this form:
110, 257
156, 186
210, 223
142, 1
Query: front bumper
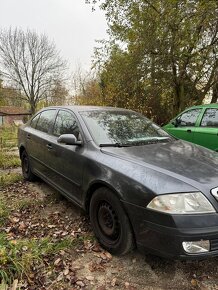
163, 234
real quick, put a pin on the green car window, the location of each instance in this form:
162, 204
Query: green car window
189, 118
210, 118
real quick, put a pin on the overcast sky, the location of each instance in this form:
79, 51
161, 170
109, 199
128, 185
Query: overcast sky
70, 23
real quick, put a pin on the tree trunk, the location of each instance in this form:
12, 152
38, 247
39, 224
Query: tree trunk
32, 107
215, 89
178, 98
215, 95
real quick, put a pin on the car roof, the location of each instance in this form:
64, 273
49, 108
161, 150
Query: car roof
214, 105
86, 108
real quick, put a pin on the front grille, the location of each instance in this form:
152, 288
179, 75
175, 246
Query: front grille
214, 245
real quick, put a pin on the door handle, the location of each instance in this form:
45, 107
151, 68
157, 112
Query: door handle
49, 146
189, 130
28, 136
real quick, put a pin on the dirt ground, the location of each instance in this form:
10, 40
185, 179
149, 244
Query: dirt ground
86, 265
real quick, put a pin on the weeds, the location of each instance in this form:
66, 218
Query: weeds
8, 140
8, 136
17, 257
9, 178
26, 203
4, 211
8, 160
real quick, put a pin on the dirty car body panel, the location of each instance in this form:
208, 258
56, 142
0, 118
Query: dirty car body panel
136, 173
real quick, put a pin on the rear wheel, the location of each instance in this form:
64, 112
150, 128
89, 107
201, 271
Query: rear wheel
26, 169
110, 222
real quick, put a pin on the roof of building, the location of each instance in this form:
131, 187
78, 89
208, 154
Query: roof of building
12, 110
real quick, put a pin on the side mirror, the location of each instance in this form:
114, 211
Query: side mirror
68, 139
176, 122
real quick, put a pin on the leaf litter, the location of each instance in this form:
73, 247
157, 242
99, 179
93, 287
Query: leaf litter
66, 255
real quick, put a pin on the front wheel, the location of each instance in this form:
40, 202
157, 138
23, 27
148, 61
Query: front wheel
110, 222
26, 169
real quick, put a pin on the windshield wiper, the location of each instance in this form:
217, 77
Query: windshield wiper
157, 140
153, 140
114, 145
137, 143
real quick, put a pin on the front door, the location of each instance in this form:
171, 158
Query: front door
66, 162
185, 127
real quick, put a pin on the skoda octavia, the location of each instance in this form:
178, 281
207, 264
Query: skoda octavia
140, 186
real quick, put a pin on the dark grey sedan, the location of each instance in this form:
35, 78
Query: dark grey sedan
140, 186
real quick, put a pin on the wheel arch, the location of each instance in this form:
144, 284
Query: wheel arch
21, 150
93, 187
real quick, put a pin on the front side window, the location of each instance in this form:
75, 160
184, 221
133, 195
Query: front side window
189, 118
66, 124
46, 121
210, 118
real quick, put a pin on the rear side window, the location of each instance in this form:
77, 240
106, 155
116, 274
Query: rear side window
46, 121
210, 118
34, 121
66, 124
189, 118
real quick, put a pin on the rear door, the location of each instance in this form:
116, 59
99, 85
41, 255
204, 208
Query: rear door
206, 134
37, 136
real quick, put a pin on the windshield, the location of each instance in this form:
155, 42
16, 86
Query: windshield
116, 127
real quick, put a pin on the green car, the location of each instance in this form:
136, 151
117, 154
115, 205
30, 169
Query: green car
198, 124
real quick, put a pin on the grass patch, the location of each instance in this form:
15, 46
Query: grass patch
4, 212
8, 137
25, 203
9, 178
8, 160
17, 257
8, 140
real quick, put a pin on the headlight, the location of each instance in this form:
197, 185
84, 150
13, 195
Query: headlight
182, 203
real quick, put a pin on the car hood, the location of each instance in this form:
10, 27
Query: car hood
182, 160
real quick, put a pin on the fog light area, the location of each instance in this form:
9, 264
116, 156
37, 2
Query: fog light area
196, 247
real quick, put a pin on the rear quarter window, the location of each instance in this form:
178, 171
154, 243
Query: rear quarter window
210, 118
34, 121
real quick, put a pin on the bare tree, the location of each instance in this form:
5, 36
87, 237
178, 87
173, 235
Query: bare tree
31, 63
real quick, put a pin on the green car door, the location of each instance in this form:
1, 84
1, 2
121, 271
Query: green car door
183, 127
197, 124
206, 132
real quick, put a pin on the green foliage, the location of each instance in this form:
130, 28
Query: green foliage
90, 94
162, 57
9, 178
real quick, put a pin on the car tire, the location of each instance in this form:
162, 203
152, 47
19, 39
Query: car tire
26, 168
110, 222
